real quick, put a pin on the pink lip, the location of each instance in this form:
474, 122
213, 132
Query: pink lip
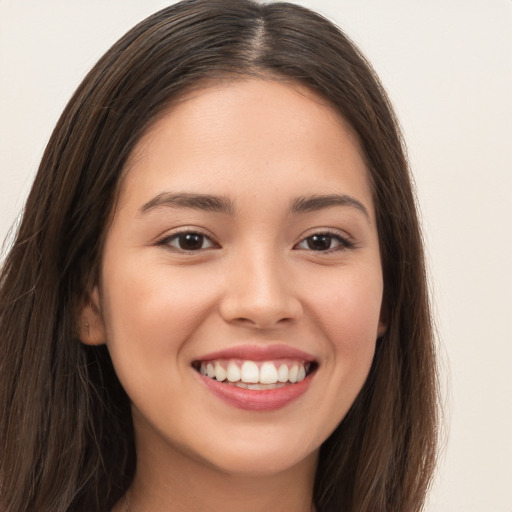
259, 353
256, 400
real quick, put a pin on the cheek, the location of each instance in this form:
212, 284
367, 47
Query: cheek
150, 311
347, 305
346, 310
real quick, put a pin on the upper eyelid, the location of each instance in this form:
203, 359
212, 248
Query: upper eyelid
337, 236
180, 230
346, 242
163, 239
326, 231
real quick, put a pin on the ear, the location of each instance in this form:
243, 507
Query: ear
382, 326
381, 329
91, 328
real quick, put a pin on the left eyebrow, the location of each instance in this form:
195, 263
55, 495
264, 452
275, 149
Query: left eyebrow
313, 203
203, 202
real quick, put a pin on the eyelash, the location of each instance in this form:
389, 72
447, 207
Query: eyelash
342, 243
167, 241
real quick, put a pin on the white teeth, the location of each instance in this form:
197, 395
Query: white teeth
268, 373
282, 374
293, 373
250, 372
233, 372
220, 372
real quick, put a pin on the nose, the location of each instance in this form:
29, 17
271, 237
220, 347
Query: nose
260, 293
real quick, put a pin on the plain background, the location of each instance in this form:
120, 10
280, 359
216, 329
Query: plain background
447, 66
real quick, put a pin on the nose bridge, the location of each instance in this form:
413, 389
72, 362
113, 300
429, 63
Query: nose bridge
259, 291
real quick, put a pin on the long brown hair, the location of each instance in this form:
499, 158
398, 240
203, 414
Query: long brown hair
66, 436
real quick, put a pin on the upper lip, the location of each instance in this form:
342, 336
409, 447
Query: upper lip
259, 353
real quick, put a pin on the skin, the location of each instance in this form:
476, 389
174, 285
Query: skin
254, 279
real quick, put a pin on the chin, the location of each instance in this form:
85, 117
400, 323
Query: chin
263, 463
262, 454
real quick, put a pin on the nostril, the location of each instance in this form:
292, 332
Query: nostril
262, 322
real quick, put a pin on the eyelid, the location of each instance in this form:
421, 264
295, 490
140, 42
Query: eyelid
346, 242
164, 240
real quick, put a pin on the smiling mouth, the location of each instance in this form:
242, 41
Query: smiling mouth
256, 375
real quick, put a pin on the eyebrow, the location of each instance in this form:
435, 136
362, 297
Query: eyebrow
203, 202
318, 202
220, 204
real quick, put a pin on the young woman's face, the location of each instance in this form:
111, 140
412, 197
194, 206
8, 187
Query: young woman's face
243, 247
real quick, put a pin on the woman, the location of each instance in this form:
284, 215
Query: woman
216, 299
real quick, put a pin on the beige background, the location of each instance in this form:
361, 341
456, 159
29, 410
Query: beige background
448, 68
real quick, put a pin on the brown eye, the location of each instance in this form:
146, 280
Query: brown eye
324, 242
319, 242
188, 242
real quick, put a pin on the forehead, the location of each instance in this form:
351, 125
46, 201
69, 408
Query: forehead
247, 135
256, 103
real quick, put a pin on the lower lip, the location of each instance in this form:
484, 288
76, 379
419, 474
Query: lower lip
257, 399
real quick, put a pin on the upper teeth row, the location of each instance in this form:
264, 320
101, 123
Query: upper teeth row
251, 373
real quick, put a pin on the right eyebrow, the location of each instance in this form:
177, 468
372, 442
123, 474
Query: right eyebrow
205, 202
